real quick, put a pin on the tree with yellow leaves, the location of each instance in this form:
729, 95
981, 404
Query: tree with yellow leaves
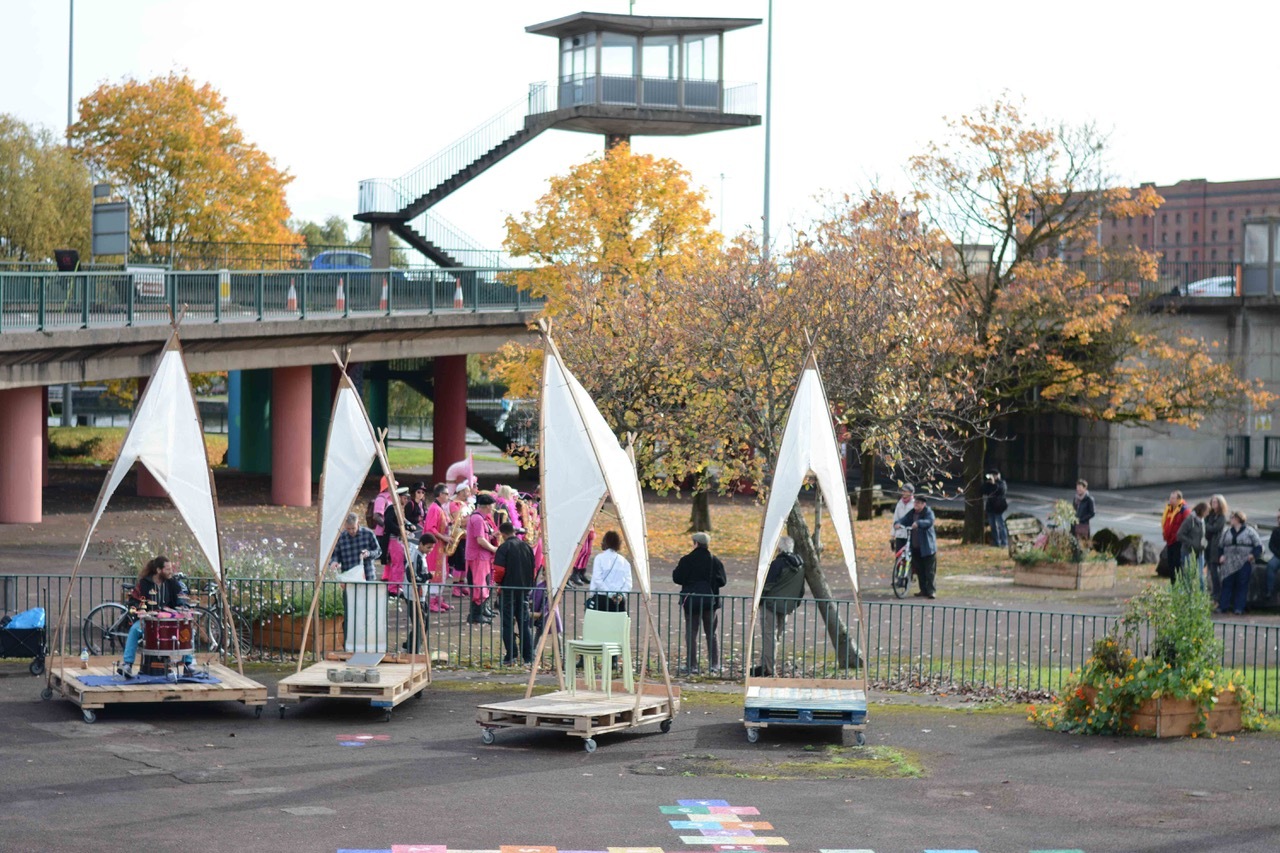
173, 151
1036, 333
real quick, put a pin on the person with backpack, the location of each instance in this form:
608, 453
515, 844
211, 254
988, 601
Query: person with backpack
995, 490
700, 575
783, 589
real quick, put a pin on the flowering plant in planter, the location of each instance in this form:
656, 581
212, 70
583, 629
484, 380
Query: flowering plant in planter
1182, 660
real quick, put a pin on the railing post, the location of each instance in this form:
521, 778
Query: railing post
129, 300
475, 292
302, 298
40, 304
260, 296
1, 302
217, 300
84, 305
173, 298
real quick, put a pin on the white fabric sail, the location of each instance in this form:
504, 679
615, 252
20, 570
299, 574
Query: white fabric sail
582, 461
166, 437
348, 455
808, 446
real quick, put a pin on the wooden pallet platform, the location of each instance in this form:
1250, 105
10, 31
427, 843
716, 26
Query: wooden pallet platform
398, 680
583, 714
232, 687
805, 702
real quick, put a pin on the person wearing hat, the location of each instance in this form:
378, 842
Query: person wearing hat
482, 544
415, 509
459, 509
924, 545
994, 491
905, 502
437, 524
701, 576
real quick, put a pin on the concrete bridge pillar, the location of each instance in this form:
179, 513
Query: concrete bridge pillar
291, 436
449, 421
148, 486
21, 449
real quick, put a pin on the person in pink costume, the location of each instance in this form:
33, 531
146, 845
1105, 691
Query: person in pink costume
582, 560
436, 523
482, 534
505, 498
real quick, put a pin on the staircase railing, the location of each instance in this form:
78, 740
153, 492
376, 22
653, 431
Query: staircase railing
381, 195
447, 237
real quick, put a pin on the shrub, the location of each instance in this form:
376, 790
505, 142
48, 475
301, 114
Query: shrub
1182, 661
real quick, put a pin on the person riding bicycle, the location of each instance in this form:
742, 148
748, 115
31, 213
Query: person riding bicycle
904, 505
157, 588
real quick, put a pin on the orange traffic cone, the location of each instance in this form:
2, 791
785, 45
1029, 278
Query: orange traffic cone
457, 294
382, 303
340, 304
291, 303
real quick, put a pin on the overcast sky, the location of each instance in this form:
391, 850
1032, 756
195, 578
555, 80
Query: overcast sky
339, 91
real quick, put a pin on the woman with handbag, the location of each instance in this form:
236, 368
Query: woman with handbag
1240, 547
610, 576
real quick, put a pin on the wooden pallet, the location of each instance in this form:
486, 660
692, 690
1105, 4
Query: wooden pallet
232, 687
398, 680
805, 702
583, 714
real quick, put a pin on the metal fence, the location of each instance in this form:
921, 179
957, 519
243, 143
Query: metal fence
910, 646
38, 302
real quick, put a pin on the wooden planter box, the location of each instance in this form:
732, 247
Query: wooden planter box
284, 633
1177, 717
1091, 574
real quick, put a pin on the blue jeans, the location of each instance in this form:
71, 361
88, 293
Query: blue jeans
132, 641
1273, 566
999, 532
1235, 590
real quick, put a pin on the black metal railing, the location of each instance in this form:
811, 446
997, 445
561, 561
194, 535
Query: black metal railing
910, 646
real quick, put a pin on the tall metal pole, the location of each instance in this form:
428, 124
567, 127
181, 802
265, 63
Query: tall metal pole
768, 116
71, 40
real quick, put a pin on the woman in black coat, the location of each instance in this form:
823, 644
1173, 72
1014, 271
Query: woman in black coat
701, 575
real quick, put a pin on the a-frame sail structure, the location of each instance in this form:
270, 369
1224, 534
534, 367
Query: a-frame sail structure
808, 446
167, 437
582, 463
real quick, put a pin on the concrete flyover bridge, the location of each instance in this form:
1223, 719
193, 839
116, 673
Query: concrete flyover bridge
273, 331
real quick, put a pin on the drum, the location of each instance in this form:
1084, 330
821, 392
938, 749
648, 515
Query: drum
168, 634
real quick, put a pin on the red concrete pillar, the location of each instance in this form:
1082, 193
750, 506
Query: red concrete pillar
291, 436
449, 421
21, 437
148, 486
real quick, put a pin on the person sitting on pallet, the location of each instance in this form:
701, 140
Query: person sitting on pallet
156, 589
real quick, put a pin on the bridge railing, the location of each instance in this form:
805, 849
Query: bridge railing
50, 301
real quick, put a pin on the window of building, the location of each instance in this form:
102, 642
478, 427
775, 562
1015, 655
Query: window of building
1213, 216
1248, 211
1195, 236
1231, 216
1144, 239
1177, 256
702, 57
1195, 255
1177, 237
1177, 218
1213, 254
1213, 236
1146, 220
1231, 254
1164, 219
1195, 217
1231, 235
1164, 237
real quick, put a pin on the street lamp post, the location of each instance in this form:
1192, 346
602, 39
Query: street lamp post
768, 119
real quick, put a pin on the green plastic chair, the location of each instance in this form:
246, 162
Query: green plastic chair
605, 637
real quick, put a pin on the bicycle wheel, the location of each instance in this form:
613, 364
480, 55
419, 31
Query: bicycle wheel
106, 628
901, 576
207, 632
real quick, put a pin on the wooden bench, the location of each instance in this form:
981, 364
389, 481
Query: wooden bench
1022, 533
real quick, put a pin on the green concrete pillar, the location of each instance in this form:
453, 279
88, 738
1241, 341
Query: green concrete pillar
321, 411
375, 393
255, 421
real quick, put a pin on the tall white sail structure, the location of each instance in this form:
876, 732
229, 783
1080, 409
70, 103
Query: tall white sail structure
581, 462
808, 446
348, 455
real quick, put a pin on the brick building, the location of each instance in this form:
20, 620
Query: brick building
1200, 221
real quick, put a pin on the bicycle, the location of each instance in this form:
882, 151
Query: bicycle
105, 628
901, 577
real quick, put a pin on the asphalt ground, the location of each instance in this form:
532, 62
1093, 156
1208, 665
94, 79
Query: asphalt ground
212, 777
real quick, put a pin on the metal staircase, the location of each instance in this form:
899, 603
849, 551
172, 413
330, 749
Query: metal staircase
398, 201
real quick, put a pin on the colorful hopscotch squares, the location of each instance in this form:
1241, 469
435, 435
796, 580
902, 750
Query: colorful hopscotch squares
720, 826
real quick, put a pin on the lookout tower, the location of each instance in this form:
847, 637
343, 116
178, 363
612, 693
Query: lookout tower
627, 75
617, 75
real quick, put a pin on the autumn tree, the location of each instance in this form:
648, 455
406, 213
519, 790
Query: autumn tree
44, 194
1039, 334
607, 239
173, 151
876, 305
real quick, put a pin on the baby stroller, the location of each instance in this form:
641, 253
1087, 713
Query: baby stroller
24, 634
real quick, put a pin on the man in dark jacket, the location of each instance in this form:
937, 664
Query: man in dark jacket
701, 575
780, 596
924, 546
1084, 510
515, 558
995, 491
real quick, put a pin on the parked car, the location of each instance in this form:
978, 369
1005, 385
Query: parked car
1215, 286
363, 290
